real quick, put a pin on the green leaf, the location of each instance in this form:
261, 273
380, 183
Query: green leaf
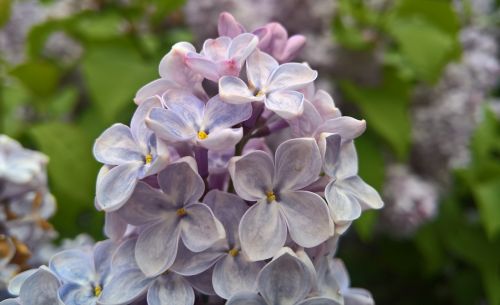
113, 73
426, 48
427, 33
385, 108
488, 197
72, 173
39, 76
5, 7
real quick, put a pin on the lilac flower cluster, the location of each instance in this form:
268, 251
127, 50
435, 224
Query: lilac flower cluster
25, 206
198, 203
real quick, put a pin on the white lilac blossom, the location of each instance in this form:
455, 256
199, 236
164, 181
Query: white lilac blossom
25, 207
198, 203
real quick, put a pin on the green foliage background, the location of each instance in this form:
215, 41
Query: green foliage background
455, 259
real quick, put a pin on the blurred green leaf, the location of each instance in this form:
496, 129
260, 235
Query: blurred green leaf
113, 73
41, 77
488, 198
5, 7
426, 48
385, 108
72, 172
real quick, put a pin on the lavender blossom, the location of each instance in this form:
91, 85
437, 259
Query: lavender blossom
201, 193
281, 205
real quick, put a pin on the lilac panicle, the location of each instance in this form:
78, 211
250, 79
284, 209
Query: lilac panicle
239, 193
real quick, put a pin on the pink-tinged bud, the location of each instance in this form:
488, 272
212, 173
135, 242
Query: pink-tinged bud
228, 26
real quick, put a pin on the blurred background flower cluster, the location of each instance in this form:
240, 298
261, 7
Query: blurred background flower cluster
423, 73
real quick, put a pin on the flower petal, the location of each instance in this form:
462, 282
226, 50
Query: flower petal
344, 206
228, 26
252, 175
285, 280
262, 230
291, 76
124, 287
241, 47
173, 67
140, 132
203, 65
156, 246
10, 302
306, 124
116, 146
144, 206
181, 183
368, 197
292, 48
40, 289
233, 275
156, 87
319, 301
331, 151
348, 128
219, 114
170, 289
117, 185
325, 105
73, 294
169, 126
259, 66
186, 105
16, 282
200, 228
114, 225
358, 296
234, 91
74, 266
246, 298
222, 139
298, 163
307, 217
228, 209
190, 263
216, 49
202, 282
286, 103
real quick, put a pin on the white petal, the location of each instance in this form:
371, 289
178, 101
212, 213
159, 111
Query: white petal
219, 114
170, 289
262, 230
307, 217
259, 66
154, 88
200, 228
344, 206
368, 197
252, 175
233, 275
222, 139
285, 103
116, 146
291, 76
234, 91
169, 126
298, 164
241, 47
181, 183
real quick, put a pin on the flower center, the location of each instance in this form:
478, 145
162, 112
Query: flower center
270, 196
260, 93
97, 290
234, 252
181, 212
148, 158
202, 135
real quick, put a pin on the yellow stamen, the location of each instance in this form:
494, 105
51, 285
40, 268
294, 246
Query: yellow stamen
202, 135
260, 93
149, 158
181, 212
234, 252
270, 196
97, 290
38, 200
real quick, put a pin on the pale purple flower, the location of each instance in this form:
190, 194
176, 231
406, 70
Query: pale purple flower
174, 73
84, 273
128, 283
270, 83
131, 154
34, 287
334, 283
273, 37
281, 204
169, 215
347, 194
233, 271
188, 119
222, 56
286, 280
